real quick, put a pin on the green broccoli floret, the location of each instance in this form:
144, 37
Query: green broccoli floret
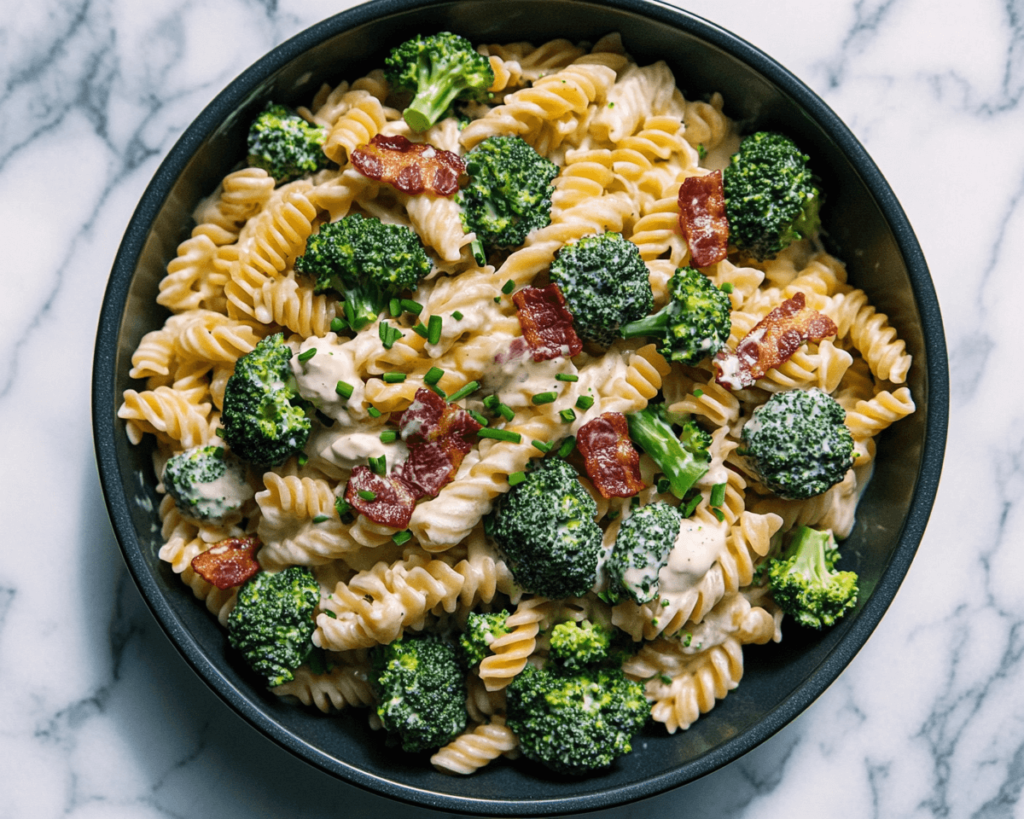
694, 325
575, 722
575, 646
798, 443
272, 622
805, 584
771, 199
641, 550
285, 145
605, 283
437, 69
206, 482
509, 191
545, 525
421, 691
683, 458
264, 417
366, 261
481, 630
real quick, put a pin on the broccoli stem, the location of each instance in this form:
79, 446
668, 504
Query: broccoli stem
808, 545
362, 304
681, 466
652, 325
436, 92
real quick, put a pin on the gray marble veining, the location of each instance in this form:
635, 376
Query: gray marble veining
101, 717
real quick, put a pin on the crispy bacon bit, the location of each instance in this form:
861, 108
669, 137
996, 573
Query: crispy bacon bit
228, 563
772, 341
546, 322
702, 218
612, 464
411, 167
438, 437
393, 499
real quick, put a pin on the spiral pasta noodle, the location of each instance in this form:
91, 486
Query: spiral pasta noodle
473, 749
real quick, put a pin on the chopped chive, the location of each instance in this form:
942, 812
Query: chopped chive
506, 412
330, 614
321, 518
438, 390
544, 397
697, 393
433, 376
566, 377
367, 495
219, 432
308, 354
664, 484
568, 445
508, 287
497, 299
476, 416
420, 329
691, 506
717, 494
434, 330
665, 678
491, 402
543, 446
344, 389
411, 306
726, 287
388, 436
584, 402
350, 314
395, 307
462, 392
338, 325
516, 478
393, 378
402, 537
457, 315
379, 466
500, 435
613, 514
342, 507
477, 249
373, 412
717, 513
303, 459
567, 416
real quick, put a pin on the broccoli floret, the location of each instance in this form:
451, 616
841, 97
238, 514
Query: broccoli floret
641, 550
509, 191
481, 630
366, 261
771, 199
605, 283
575, 646
272, 622
421, 691
545, 525
575, 722
437, 69
805, 584
684, 458
264, 416
694, 324
798, 443
206, 483
285, 145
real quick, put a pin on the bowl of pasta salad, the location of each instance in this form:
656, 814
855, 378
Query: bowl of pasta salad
484, 389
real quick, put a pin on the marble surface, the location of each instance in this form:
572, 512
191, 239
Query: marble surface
100, 716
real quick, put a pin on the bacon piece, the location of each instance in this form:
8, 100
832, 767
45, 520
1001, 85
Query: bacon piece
702, 218
228, 563
772, 341
411, 167
393, 502
438, 437
612, 464
546, 322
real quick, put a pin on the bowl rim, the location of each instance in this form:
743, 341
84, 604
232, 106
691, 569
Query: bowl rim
105, 422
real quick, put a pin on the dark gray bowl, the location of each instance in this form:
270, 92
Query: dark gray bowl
866, 226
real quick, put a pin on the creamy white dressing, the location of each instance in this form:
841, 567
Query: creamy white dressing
695, 551
515, 382
341, 449
222, 497
318, 379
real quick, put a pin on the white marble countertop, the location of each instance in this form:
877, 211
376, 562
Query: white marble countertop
101, 717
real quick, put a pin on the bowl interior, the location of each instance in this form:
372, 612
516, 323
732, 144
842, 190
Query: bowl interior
865, 227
